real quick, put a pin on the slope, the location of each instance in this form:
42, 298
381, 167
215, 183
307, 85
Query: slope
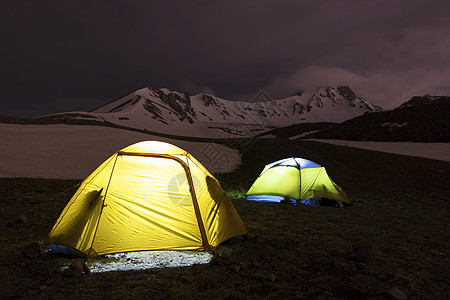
421, 119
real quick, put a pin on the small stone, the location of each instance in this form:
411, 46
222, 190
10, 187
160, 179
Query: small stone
213, 260
86, 269
31, 253
185, 279
152, 277
235, 268
271, 277
359, 253
22, 220
77, 268
260, 276
256, 264
382, 276
32, 250
342, 267
244, 265
259, 239
335, 217
224, 260
396, 293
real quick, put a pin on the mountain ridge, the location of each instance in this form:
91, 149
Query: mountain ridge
172, 111
204, 115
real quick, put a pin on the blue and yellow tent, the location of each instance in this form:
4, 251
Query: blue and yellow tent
295, 180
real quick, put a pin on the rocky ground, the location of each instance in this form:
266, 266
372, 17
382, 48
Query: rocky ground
391, 244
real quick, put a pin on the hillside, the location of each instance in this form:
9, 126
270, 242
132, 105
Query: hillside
421, 119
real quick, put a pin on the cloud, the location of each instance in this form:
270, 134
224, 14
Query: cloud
193, 88
415, 65
389, 88
310, 78
384, 87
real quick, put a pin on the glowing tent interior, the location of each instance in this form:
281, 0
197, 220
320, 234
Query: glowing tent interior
148, 196
295, 180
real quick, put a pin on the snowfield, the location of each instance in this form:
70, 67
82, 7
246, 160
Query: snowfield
73, 152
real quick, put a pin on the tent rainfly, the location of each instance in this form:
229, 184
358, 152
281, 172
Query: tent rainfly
148, 196
295, 180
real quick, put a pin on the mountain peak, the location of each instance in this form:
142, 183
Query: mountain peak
178, 113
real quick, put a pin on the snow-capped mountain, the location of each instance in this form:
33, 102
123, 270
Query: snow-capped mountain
204, 115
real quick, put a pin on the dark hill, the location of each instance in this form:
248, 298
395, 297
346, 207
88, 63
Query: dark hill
421, 119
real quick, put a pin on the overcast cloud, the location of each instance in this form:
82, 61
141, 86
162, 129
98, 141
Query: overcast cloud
76, 55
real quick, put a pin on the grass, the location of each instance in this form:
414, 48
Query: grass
396, 235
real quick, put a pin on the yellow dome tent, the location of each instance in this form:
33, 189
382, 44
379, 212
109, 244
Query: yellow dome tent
295, 180
148, 196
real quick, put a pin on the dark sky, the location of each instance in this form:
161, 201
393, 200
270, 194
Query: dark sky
70, 55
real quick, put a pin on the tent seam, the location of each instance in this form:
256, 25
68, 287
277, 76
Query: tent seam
103, 204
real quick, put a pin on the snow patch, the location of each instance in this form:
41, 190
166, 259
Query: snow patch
295, 137
143, 260
398, 125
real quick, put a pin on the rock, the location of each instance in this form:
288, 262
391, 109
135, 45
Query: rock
342, 267
260, 276
152, 277
22, 220
185, 279
77, 268
256, 264
86, 269
266, 278
383, 277
31, 253
32, 250
235, 268
244, 265
213, 260
396, 293
221, 260
19, 221
271, 277
406, 279
335, 218
259, 239
303, 208
359, 253
235, 295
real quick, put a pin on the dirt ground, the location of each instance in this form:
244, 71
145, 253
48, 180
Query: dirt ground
392, 243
